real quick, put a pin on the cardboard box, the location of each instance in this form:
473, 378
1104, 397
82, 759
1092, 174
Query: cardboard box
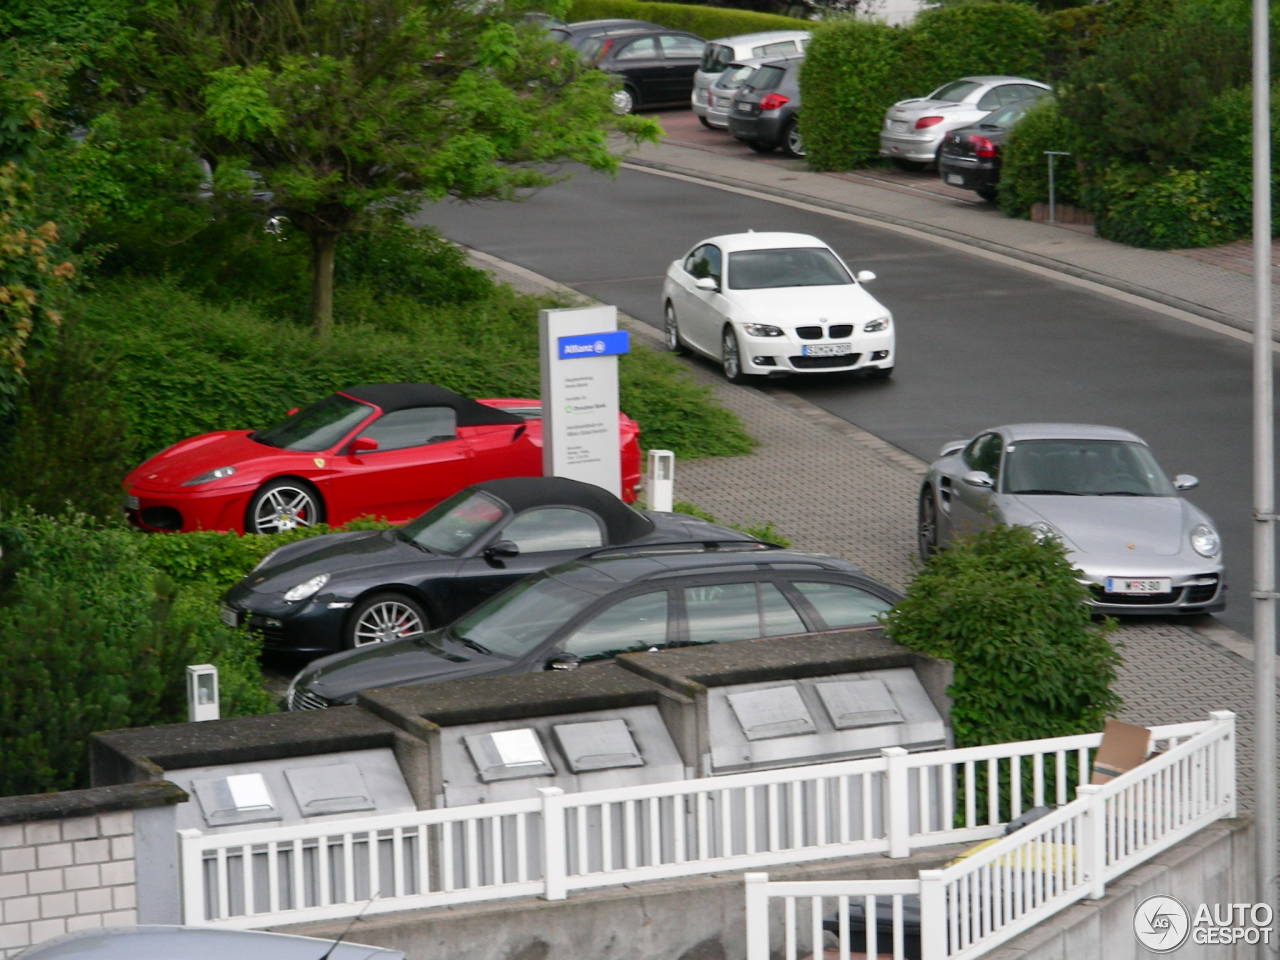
1123, 747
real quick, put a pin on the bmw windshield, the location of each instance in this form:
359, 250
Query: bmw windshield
788, 267
520, 619
321, 426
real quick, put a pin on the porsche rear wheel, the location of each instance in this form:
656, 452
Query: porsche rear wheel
927, 524
384, 617
283, 505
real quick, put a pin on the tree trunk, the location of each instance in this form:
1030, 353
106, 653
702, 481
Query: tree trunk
324, 244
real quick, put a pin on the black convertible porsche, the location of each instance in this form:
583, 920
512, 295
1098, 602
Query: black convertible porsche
344, 590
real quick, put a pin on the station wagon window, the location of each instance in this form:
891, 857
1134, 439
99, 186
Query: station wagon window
414, 427
637, 623
646, 48
721, 612
680, 47
984, 454
841, 605
715, 57
783, 48
554, 528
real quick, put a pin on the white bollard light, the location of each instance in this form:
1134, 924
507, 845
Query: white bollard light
662, 480
202, 692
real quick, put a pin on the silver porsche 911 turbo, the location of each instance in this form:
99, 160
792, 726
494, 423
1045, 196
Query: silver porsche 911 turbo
1141, 547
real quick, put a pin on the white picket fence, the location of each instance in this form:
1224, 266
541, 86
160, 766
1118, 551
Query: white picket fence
966, 909
555, 843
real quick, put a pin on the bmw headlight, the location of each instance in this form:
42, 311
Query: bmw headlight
209, 475
876, 325
761, 330
307, 588
1042, 531
1205, 541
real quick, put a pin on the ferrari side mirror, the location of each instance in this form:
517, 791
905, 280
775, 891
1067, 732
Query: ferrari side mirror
363, 445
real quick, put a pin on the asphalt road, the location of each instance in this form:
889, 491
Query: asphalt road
979, 343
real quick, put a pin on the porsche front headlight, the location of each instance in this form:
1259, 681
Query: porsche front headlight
1042, 531
308, 588
1205, 540
209, 475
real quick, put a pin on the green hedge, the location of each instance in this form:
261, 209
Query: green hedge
855, 70
1024, 171
708, 22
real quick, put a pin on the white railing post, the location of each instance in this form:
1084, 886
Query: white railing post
933, 915
1093, 843
191, 869
554, 858
660, 495
1225, 750
896, 801
757, 891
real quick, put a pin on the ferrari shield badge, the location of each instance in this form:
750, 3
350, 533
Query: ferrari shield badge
318, 461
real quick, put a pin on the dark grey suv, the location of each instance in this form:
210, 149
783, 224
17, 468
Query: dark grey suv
766, 108
614, 601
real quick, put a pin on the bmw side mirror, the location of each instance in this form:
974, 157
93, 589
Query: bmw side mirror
865, 276
363, 445
707, 283
564, 661
979, 478
501, 548
1185, 481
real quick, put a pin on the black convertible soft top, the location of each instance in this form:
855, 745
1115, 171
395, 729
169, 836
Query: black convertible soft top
622, 523
399, 396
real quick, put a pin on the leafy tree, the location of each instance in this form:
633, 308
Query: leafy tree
1029, 659
342, 115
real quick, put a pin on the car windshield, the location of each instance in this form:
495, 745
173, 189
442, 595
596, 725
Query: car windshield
521, 618
1084, 468
765, 78
1005, 116
321, 426
954, 92
455, 524
788, 267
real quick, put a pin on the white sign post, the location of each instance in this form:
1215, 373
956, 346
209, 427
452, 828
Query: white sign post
579, 350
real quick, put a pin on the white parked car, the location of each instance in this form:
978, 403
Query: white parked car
775, 303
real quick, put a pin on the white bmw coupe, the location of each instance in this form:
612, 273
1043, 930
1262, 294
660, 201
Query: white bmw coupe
775, 303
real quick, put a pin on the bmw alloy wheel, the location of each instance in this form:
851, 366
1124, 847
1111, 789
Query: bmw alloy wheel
730, 356
671, 327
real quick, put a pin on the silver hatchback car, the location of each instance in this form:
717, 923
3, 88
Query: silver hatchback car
719, 54
914, 129
1139, 546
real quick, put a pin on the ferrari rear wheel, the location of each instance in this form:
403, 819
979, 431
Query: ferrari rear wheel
283, 505
384, 617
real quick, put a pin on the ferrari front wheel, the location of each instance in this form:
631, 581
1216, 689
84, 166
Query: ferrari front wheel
283, 505
384, 617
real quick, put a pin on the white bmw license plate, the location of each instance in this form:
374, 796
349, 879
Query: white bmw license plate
827, 349
131, 503
956, 179
230, 616
1139, 585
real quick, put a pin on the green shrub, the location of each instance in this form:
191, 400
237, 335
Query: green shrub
852, 73
1024, 170
708, 22
1073, 33
1165, 209
98, 638
944, 43
1007, 611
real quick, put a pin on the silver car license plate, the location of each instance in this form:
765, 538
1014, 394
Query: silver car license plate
827, 349
230, 615
1139, 585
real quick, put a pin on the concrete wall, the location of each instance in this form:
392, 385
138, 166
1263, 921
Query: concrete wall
68, 860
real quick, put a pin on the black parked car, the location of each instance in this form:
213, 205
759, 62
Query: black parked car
615, 601
344, 590
766, 108
579, 33
656, 65
970, 156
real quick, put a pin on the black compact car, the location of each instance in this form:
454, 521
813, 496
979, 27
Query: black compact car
579, 33
346, 590
970, 156
656, 65
766, 108
614, 601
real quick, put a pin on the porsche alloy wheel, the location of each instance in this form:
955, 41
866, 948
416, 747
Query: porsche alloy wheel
283, 505
385, 617
671, 328
731, 357
927, 524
